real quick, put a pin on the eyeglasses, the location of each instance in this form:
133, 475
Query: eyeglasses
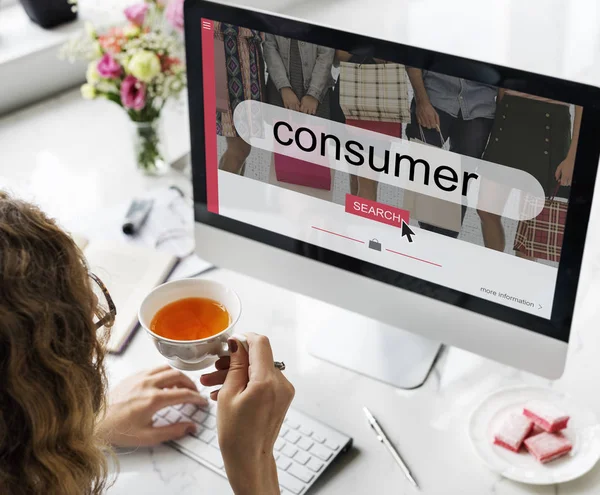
105, 312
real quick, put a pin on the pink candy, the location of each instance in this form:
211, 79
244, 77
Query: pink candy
547, 447
546, 416
538, 428
513, 431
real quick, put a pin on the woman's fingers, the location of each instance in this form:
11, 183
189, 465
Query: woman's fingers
214, 395
214, 378
173, 396
223, 363
158, 369
160, 434
261, 356
172, 378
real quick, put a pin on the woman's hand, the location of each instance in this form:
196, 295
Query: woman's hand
290, 100
564, 172
309, 105
427, 116
128, 420
253, 401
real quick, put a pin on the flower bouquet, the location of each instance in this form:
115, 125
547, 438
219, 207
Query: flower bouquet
138, 66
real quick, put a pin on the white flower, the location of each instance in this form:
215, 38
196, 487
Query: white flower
90, 30
92, 75
131, 30
107, 87
144, 65
88, 91
97, 49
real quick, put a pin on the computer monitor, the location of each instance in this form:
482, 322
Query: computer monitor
414, 191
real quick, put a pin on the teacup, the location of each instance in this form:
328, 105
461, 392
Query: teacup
191, 355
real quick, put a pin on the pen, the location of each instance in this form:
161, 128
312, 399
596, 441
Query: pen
384, 440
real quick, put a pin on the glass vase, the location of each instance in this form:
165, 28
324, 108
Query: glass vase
149, 147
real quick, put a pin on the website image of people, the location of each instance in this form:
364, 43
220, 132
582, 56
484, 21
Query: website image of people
525, 134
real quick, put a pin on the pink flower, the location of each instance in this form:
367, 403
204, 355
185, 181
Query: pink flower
108, 67
136, 13
133, 93
174, 14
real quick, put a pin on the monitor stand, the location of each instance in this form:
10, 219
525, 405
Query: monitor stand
374, 349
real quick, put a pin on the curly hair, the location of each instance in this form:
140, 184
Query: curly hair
53, 382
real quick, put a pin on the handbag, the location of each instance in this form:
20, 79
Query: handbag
221, 86
374, 92
431, 210
375, 244
393, 129
542, 237
300, 172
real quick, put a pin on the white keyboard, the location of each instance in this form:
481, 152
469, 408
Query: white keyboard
304, 449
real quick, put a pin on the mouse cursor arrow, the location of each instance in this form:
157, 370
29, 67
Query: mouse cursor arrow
406, 231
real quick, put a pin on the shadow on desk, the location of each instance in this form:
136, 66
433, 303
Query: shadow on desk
338, 468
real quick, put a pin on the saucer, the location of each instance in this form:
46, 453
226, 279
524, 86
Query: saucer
583, 432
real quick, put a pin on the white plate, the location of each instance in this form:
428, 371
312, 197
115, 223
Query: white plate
583, 431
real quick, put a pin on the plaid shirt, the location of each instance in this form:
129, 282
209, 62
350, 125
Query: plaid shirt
542, 237
453, 95
376, 92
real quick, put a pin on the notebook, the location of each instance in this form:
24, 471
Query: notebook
129, 272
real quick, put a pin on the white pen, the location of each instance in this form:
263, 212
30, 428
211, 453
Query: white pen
384, 440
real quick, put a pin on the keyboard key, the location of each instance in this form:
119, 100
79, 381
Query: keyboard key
215, 443
289, 482
202, 450
189, 409
331, 444
177, 406
210, 422
163, 412
276, 455
305, 431
315, 465
292, 436
208, 435
160, 422
173, 416
305, 443
283, 463
289, 450
292, 424
321, 452
318, 438
300, 472
199, 416
302, 457
198, 431
279, 443
283, 431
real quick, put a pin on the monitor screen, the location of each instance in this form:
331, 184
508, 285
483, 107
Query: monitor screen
395, 167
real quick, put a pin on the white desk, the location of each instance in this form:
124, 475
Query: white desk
86, 166
76, 159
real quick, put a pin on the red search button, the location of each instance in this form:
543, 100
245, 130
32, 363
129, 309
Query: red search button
376, 211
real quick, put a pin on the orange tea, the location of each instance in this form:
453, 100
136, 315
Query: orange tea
191, 318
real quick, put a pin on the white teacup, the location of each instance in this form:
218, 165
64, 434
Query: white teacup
191, 355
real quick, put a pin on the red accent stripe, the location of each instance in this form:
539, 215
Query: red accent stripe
210, 115
339, 235
413, 258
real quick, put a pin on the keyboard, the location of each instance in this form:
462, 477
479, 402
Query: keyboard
304, 450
